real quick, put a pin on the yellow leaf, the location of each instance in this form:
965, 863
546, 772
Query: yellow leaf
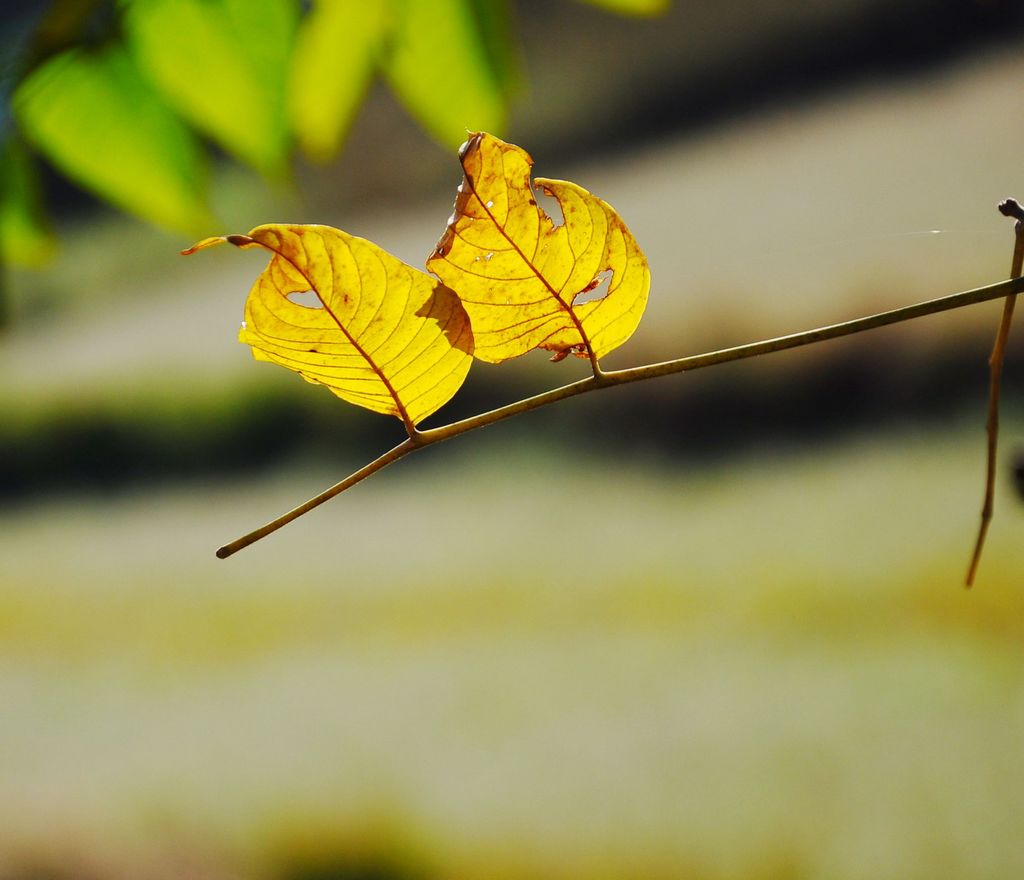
521, 277
381, 334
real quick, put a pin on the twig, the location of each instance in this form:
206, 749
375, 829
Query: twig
1008, 208
400, 451
418, 439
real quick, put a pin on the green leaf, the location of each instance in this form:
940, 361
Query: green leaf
25, 239
222, 65
336, 53
497, 32
98, 120
633, 7
441, 71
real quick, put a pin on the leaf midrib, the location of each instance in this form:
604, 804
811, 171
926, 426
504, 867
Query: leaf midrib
402, 411
501, 229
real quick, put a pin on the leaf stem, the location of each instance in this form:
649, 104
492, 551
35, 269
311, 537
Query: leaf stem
604, 379
1009, 208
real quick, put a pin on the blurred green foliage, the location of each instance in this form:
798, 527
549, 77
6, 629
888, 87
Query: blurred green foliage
24, 236
120, 94
99, 120
222, 66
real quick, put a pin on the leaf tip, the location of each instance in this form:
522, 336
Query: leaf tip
472, 138
202, 245
213, 241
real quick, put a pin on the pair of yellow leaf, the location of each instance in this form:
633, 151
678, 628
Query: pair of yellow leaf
506, 280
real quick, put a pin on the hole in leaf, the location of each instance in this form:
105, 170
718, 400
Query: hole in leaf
549, 205
597, 289
305, 298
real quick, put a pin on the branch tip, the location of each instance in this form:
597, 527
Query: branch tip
1011, 208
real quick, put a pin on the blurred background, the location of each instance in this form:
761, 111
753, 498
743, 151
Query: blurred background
711, 626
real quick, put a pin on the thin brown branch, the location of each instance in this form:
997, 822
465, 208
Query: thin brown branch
1008, 208
389, 457
725, 355
419, 439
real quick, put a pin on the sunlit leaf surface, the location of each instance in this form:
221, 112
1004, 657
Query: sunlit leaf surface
97, 118
521, 276
222, 64
327, 86
377, 332
440, 69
